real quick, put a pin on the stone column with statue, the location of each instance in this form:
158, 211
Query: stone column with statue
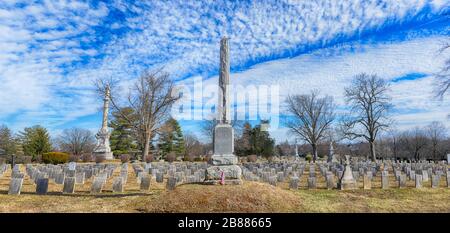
102, 148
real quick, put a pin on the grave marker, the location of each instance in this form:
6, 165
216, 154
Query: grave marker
312, 182
384, 180
97, 184
418, 179
42, 186
79, 178
145, 183
118, 185
367, 182
171, 183
293, 184
330, 181
15, 186
69, 185
402, 181
435, 181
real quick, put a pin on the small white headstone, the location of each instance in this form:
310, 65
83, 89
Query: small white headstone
448, 158
72, 166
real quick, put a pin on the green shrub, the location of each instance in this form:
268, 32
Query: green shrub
198, 159
189, 158
308, 157
55, 157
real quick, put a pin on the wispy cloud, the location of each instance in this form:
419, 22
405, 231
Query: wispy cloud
51, 51
408, 65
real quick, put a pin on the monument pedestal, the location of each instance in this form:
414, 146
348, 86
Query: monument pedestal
103, 149
106, 155
232, 174
347, 182
224, 169
224, 159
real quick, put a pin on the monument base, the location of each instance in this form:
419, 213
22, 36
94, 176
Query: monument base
226, 182
347, 185
220, 160
231, 174
106, 155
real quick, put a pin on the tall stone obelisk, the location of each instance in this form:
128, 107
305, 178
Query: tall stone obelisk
224, 167
224, 83
102, 148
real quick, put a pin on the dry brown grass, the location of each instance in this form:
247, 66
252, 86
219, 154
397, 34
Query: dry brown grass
249, 197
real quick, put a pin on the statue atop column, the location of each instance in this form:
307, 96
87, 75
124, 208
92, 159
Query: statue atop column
102, 148
224, 167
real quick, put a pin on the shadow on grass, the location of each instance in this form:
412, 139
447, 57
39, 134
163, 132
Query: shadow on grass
88, 194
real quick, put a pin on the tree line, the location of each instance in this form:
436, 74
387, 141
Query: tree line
365, 127
144, 128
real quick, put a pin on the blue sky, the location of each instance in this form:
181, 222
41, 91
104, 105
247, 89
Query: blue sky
51, 51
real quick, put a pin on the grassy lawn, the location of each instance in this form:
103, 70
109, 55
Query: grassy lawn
249, 197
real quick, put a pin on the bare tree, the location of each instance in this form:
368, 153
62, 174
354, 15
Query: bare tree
76, 141
414, 142
369, 102
207, 128
150, 98
192, 145
393, 140
285, 149
443, 76
313, 116
436, 133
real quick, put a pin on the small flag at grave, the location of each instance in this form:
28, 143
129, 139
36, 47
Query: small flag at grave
222, 178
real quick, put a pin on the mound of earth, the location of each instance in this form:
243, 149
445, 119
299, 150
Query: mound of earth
249, 197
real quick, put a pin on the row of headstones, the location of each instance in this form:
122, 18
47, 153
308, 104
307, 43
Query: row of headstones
176, 174
61, 174
367, 181
273, 173
3, 168
68, 176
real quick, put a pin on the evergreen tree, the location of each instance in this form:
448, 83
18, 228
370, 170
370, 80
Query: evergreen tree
7, 141
242, 146
178, 139
254, 141
122, 140
261, 143
35, 141
171, 138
